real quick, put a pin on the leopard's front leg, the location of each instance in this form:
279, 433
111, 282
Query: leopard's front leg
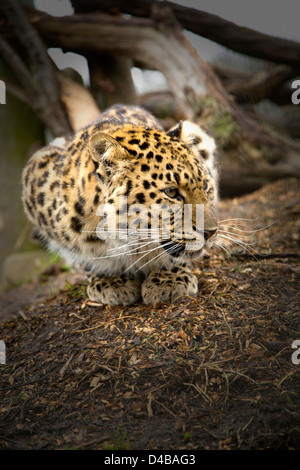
114, 290
166, 285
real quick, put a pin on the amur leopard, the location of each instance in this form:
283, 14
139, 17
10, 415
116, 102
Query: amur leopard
126, 163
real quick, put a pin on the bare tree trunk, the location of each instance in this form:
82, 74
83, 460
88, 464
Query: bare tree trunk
110, 75
41, 87
21, 133
111, 80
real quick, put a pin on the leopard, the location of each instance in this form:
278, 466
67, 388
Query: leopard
90, 197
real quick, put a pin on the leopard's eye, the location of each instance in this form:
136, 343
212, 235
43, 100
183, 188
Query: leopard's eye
172, 192
205, 185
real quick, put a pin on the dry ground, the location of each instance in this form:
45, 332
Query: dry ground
208, 373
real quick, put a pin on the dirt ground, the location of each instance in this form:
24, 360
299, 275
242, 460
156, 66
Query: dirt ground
215, 372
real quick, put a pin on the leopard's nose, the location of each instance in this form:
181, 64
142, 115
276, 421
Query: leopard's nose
209, 233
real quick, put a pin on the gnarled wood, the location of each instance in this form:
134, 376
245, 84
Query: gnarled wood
156, 44
227, 33
249, 87
251, 154
78, 101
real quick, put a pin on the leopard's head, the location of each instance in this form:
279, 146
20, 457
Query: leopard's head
161, 188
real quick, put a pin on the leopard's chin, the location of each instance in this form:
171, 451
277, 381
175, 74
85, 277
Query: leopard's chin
194, 255
188, 251
174, 249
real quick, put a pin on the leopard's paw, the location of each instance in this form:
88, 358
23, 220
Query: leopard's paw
117, 290
167, 285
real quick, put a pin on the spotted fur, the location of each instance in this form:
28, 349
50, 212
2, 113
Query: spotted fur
123, 153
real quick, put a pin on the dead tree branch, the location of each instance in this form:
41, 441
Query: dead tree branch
78, 102
252, 155
237, 38
251, 88
17, 65
155, 45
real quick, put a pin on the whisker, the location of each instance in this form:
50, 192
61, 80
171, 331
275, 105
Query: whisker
241, 244
252, 232
162, 254
239, 219
127, 252
223, 246
234, 234
246, 231
150, 251
130, 252
235, 238
138, 243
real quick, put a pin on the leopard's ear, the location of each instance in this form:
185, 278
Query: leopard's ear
175, 132
199, 139
103, 147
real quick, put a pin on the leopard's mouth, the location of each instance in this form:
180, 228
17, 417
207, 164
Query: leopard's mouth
188, 250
